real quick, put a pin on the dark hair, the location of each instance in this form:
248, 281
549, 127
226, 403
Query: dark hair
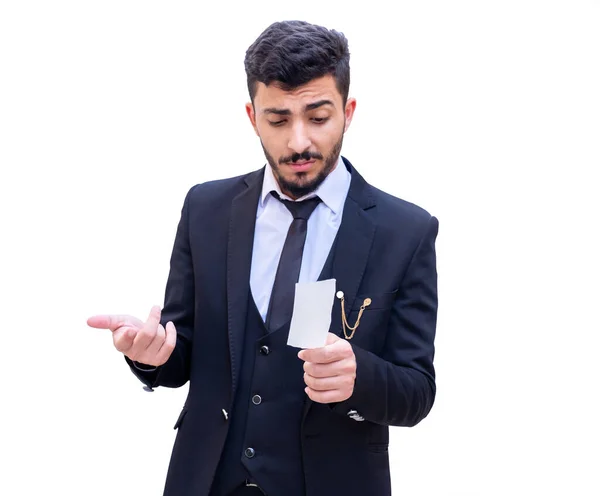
292, 53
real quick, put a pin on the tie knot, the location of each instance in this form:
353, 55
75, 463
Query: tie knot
302, 209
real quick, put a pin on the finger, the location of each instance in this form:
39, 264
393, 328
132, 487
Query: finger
330, 353
327, 369
331, 338
169, 343
113, 322
324, 396
154, 346
123, 338
148, 331
328, 383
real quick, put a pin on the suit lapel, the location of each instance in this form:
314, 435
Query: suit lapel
353, 246
351, 249
239, 260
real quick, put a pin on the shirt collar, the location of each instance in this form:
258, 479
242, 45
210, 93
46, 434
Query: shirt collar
332, 191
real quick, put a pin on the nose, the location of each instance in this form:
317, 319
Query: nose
299, 140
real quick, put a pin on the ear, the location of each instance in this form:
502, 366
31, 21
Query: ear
252, 116
349, 112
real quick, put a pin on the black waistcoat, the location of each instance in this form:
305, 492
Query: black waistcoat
263, 442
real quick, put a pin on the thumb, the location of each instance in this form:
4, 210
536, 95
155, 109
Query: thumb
332, 338
153, 318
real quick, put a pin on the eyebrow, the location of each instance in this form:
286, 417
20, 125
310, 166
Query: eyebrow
310, 106
320, 103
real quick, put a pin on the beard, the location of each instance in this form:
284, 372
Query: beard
299, 186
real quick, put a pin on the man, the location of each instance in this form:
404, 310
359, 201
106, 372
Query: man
262, 417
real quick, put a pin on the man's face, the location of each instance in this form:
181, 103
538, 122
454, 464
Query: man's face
301, 131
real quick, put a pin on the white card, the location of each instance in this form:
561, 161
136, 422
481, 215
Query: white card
311, 317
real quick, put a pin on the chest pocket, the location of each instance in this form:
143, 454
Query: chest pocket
374, 321
379, 301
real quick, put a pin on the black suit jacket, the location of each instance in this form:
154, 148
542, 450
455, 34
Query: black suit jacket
385, 250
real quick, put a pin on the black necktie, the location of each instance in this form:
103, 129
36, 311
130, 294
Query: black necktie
281, 304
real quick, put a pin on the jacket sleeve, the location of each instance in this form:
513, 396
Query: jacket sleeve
179, 309
398, 387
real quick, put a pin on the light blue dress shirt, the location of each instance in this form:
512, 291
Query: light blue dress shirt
273, 220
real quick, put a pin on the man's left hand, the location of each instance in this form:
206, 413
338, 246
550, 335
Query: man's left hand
330, 371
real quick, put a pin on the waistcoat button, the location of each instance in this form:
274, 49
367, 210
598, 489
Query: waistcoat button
256, 399
264, 350
249, 452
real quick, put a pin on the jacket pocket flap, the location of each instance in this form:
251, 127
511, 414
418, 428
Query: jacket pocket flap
378, 301
180, 418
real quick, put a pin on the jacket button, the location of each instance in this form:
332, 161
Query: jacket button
264, 350
256, 399
249, 452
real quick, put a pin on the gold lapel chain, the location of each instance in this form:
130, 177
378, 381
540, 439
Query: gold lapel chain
366, 303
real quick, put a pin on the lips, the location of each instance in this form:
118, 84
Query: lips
301, 166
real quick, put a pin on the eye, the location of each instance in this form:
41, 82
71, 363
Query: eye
320, 120
276, 123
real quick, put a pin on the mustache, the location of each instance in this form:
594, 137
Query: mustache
295, 157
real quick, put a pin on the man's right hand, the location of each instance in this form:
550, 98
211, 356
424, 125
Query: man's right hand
147, 342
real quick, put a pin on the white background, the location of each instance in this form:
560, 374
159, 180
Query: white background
485, 113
